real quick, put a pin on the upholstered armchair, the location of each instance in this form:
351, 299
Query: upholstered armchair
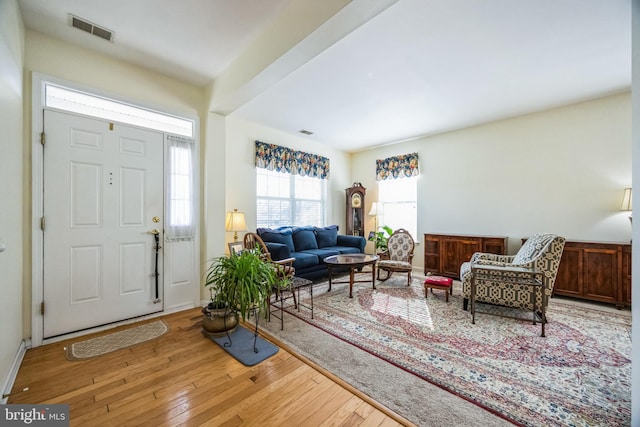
399, 255
541, 252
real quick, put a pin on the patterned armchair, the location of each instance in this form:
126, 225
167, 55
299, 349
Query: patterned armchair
541, 251
399, 255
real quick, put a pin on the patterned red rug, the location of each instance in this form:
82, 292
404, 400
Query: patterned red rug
580, 374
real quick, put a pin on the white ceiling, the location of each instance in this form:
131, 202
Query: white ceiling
419, 67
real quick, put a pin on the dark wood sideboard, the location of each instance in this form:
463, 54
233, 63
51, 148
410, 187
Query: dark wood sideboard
445, 253
595, 271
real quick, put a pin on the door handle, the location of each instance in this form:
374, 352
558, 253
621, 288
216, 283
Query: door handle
154, 231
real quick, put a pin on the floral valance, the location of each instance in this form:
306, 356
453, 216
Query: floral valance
397, 167
282, 159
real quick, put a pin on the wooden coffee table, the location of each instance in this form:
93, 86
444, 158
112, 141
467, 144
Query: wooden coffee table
352, 262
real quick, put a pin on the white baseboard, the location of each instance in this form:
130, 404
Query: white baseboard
13, 372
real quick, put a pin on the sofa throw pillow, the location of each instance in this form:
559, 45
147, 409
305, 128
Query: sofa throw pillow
282, 235
327, 236
304, 238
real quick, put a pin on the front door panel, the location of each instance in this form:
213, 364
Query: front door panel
103, 184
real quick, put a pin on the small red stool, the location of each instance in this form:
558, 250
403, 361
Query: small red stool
439, 282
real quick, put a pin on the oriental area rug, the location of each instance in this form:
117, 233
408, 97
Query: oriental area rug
579, 375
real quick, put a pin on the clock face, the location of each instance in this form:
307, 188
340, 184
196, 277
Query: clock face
356, 200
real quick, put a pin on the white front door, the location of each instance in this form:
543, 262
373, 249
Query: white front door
103, 186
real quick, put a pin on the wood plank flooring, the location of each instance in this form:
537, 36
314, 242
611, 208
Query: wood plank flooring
186, 379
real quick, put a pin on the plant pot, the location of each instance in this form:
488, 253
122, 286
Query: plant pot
217, 322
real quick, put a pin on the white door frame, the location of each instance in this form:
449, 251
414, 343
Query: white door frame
37, 207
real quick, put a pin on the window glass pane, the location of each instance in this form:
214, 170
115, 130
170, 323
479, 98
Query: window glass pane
180, 187
273, 213
398, 199
401, 215
274, 184
289, 200
308, 188
91, 105
308, 213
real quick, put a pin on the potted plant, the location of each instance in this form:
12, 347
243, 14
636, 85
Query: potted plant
239, 284
380, 238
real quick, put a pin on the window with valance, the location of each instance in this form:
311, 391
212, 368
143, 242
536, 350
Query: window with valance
394, 167
282, 159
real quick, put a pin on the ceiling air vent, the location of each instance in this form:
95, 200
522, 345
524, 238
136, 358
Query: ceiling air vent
91, 28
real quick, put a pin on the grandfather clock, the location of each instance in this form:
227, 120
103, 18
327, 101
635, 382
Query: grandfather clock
355, 209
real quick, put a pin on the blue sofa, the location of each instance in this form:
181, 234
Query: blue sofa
309, 246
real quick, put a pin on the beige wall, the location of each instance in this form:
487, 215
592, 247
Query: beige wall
116, 78
213, 173
560, 171
241, 175
229, 177
11, 187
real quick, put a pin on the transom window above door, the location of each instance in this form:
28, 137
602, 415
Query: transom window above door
91, 105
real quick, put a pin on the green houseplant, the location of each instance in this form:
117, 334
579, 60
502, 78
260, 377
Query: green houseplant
381, 236
239, 284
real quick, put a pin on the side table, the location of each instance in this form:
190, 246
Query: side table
277, 307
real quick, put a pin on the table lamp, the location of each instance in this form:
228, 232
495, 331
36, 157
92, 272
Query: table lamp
235, 222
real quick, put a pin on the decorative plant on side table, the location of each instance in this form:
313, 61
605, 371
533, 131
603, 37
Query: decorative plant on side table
240, 284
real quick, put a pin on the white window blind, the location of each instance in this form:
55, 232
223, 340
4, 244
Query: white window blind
398, 198
286, 199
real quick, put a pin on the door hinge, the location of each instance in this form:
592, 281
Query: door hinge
42, 138
42, 308
42, 223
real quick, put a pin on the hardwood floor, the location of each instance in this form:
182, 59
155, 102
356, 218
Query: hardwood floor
186, 379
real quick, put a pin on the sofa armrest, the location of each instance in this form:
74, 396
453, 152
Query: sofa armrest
352, 241
278, 251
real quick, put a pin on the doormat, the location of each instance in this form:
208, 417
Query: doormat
99, 346
240, 345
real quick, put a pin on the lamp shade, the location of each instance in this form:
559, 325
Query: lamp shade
374, 209
235, 222
627, 200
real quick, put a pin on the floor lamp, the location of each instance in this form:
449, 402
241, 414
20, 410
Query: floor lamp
374, 212
627, 205
627, 202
